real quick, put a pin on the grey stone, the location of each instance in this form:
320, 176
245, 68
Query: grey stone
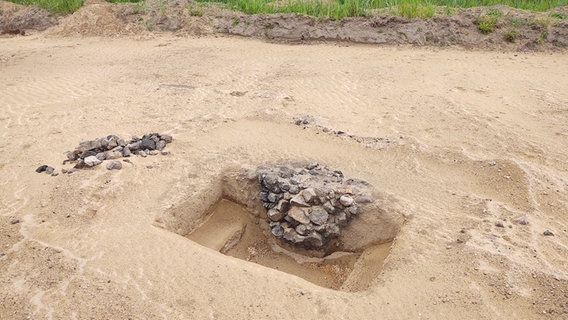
116, 165
160, 145
148, 144
301, 229
166, 137
272, 197
548, 233
346, 200
282, 206
298, 238
87, 153
92, 161
126, 151
41, 169
319, 216
341, 219
299, 215
111, 155
312, 165
328, 207
154, 152
134, 146
524, 220
165, 151
142, 154
289, 234
277, 231
294, 189
112, 143
71, 155
332, 230
309, 195
49, 170
299, 201
314, 239
121, 142
274, 215
101, 156
352, 210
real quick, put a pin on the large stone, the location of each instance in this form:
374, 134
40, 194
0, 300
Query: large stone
299, 201
275, 215
101, 156
92, 161
126, 151
294, 189
319, 216
331, 230
299, 215
346, 201
289, 234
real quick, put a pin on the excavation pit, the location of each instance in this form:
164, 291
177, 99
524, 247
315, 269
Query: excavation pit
234, 220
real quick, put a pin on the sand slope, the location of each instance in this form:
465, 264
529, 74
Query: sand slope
469, 139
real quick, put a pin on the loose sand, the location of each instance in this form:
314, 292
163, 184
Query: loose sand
474, 138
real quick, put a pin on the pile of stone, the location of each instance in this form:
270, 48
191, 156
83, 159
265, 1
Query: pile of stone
308, 205
93, 152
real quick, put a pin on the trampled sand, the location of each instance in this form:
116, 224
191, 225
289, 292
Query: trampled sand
460, 145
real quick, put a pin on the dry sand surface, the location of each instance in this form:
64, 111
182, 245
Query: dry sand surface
460, 144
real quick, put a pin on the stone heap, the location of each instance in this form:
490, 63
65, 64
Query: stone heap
93, 152
308, 205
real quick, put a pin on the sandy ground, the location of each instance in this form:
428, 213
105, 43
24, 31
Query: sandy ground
474, 139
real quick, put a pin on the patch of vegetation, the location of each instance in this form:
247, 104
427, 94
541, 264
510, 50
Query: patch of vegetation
195, 11
57, 6
415, 10
542, 37
511, 35
338, 9
235, 22
486, 22
558, 15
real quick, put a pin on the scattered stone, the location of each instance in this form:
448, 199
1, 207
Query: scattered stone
346, 201
524, 220
116, 165
92, 161
277, 231
15, 221
113, 147
499, 224
64, 170
165, 151
548, 233
55, 174
41, 169
49, 170
2, 254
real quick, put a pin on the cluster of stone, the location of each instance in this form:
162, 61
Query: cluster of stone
308, 205
93, 152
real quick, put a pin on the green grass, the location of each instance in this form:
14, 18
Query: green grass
58, 6
559, 15
337, 9
487, 21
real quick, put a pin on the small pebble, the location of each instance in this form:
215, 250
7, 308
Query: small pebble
15, 221
41, 169
548, 233
499, 224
